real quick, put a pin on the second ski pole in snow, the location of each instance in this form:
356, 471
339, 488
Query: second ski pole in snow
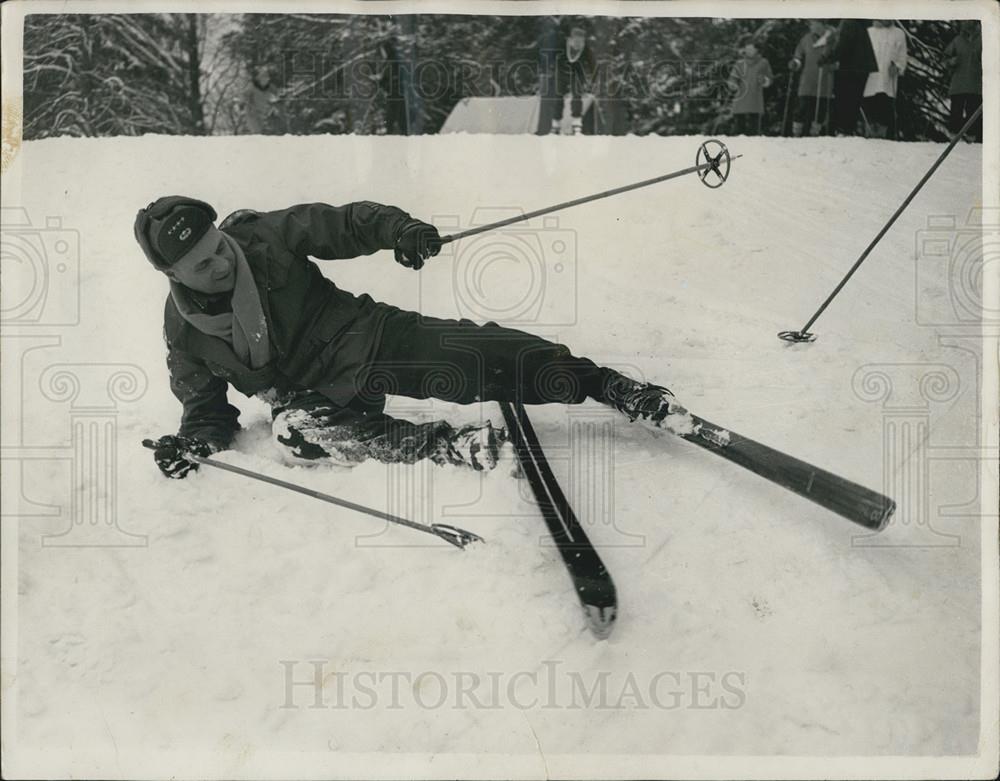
804, 334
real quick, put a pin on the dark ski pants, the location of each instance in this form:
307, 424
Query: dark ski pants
423, 357
881, 112
568, 79
963, 106
806, 112
310, 428
848, 92
747, 124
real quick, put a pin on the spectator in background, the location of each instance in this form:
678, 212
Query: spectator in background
574, 70
889, 45
261, 108
750, 76
815, 80
854, 59
965, 60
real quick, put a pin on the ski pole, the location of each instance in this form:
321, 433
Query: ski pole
803, 335
868, 127
788, 99
827, 101
457, 537
814, 129
713, 163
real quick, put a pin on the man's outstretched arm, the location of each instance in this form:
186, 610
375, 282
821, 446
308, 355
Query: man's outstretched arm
332, 232
361, 228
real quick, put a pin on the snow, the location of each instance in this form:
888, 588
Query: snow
751, 621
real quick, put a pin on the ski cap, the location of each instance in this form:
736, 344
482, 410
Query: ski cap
170, 226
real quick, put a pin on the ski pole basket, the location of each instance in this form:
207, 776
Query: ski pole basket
713, 163
797, 336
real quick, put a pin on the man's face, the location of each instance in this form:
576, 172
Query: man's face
817, 27
209, 266
577, 40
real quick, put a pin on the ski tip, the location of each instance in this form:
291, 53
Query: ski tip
601, 620
880, 517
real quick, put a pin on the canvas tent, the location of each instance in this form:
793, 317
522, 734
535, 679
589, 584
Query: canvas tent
528, 114
494, 115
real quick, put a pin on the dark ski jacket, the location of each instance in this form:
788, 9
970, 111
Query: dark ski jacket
853, 50
320, 335
966, 57
574, 77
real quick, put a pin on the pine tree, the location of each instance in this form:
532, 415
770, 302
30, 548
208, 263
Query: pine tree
127, 74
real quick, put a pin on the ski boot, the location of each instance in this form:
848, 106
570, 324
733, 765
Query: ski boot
577, 126
653, 404
474, 446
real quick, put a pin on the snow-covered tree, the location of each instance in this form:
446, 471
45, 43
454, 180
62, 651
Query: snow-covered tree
112, 74
127, 74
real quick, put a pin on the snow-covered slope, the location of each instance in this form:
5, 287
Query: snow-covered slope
751, 621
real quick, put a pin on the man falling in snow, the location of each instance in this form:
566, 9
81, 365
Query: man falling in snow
248, 308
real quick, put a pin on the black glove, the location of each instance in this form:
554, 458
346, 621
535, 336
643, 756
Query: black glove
415, 242
170, 450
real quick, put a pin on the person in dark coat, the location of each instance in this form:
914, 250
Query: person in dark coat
573, 73
249, 308
854, 58
964, 57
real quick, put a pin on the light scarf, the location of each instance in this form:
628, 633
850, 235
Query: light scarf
245, 327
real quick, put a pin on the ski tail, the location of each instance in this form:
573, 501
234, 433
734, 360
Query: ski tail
861, 505
591, 580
